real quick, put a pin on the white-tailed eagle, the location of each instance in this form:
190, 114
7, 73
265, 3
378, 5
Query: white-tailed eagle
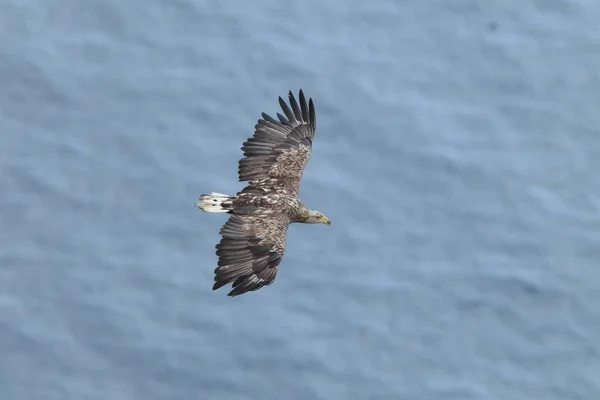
253, 239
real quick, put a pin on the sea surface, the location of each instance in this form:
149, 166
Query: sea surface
457, 156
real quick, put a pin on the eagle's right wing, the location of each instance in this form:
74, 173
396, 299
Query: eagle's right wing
250, 250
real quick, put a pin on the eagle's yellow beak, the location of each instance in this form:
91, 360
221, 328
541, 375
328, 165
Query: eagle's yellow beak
326, 221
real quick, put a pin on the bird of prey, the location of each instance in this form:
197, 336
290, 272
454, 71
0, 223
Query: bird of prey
253, 238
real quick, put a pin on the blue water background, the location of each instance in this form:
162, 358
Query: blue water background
457, 156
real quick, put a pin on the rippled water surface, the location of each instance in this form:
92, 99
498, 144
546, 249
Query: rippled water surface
456, 155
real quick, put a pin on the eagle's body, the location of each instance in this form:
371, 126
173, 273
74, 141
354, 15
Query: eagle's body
253, 239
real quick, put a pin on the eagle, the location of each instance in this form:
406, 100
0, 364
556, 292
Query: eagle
253, 238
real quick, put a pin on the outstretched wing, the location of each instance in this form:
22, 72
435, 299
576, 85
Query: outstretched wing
250, 250
280, 149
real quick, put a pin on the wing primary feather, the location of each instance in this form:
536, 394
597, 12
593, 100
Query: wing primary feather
268, 118
295, 108
291, 118
303, 106
311, 112
273, 127
283, 119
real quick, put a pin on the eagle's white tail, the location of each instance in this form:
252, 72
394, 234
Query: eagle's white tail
215, 202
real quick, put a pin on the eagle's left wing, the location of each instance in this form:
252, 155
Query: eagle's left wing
280, 149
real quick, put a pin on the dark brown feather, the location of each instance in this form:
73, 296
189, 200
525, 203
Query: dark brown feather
249, 252
280, 148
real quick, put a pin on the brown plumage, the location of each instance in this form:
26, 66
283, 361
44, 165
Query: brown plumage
253, 239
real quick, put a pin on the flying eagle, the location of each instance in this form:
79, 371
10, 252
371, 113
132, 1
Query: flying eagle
253, 239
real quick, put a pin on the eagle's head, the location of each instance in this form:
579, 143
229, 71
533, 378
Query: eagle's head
315, 217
